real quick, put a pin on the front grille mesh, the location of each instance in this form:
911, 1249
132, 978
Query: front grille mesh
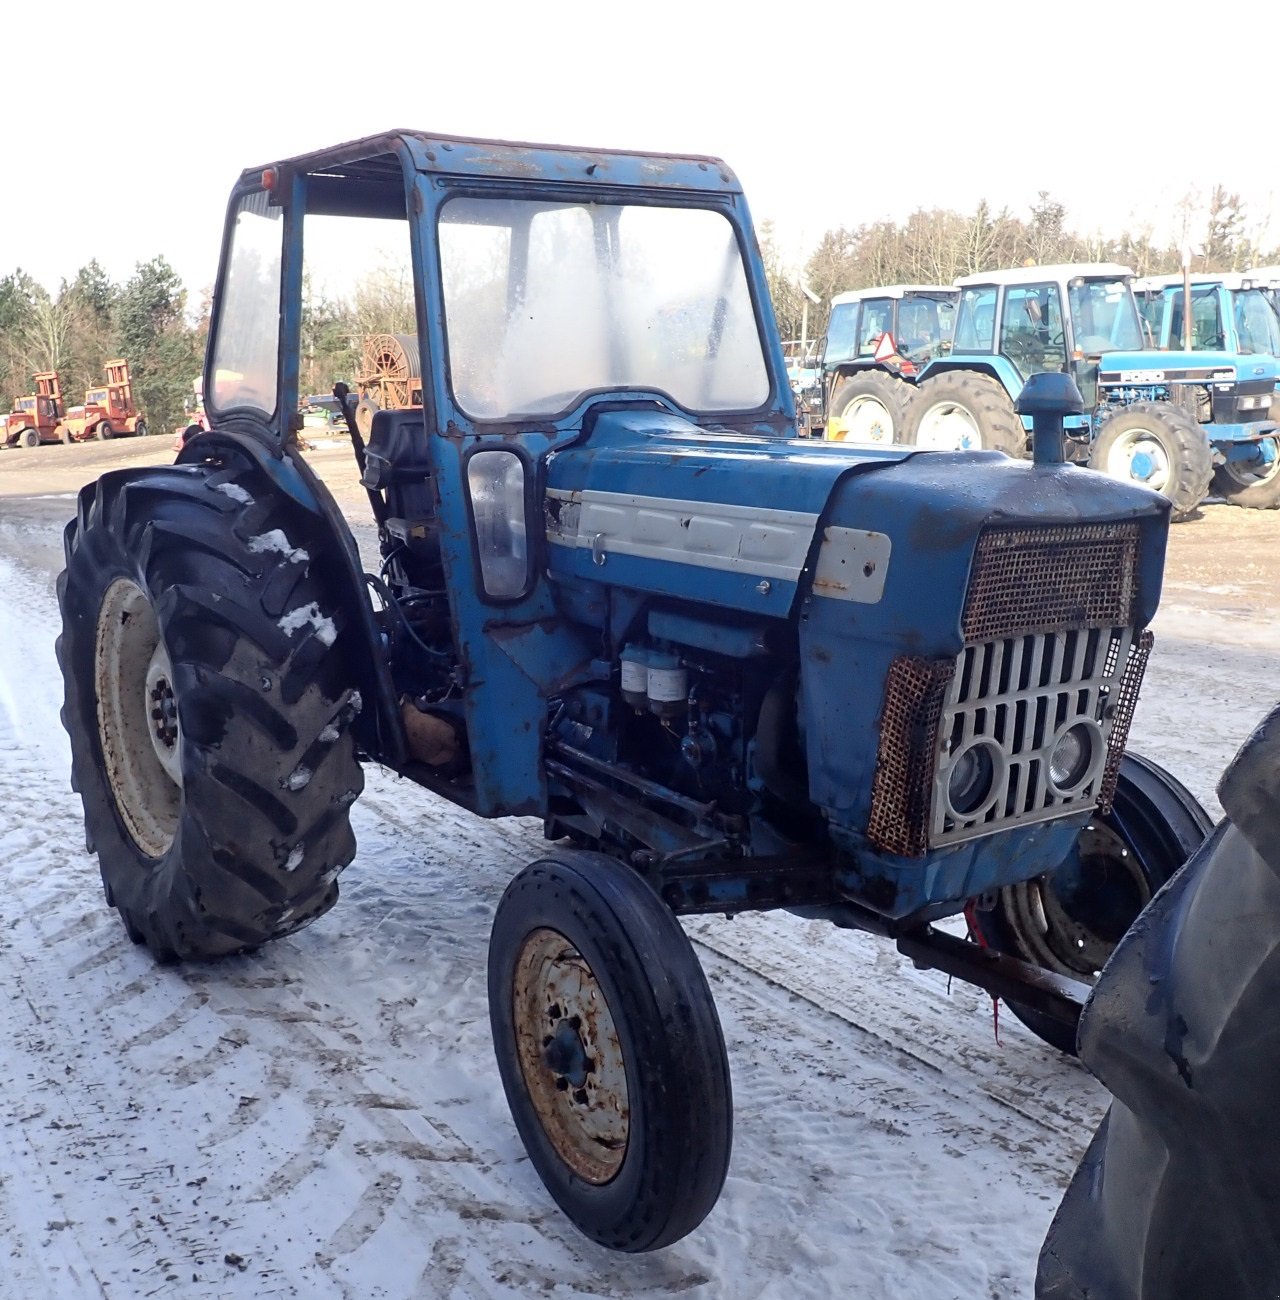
901, 791
1037, 579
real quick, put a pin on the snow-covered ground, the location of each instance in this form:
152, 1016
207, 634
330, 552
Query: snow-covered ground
324, 1118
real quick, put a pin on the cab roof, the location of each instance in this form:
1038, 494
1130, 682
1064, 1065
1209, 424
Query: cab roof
1053, 274
1228, 279
890, 291
378, 160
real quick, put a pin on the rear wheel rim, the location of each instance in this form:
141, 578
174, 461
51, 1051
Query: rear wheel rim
948, 426
570, 1056
138, 730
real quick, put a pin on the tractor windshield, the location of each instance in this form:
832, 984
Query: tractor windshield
1256, 323
1104, 316
545, 302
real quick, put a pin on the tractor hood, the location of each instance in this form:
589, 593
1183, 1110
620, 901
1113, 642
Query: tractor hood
652, 502
1178, 367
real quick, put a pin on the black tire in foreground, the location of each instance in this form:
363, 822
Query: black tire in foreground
963, 410
870, 407
610, 1050
1156, 445
208, 704
1070, 920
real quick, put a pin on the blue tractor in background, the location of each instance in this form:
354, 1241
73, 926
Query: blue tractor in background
726, 667
1161, 419
1234, 313
877, 341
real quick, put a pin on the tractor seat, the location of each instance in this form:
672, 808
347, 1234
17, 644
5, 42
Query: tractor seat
397, 450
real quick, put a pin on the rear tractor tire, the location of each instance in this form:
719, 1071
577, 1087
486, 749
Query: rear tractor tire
29, 438
104, 431
140, 429
868, 408
208, 704
1069, 920
610, 1051
1240, 484
963, 411
1158, 446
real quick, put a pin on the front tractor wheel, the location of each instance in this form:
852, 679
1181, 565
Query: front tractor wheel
208, 705
1069, 920
1256, 486
104, 431
1160, 447
868, 408
963, 411
610, 1051
29, 438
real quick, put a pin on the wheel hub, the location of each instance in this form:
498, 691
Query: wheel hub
1069, 920
571, 1056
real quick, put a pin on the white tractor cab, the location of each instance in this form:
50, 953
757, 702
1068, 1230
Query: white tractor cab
1013, 324
877, 341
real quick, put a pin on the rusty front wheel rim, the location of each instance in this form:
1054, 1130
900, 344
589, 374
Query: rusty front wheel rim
570, 1056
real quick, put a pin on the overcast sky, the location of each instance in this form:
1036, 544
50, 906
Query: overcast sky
831, 113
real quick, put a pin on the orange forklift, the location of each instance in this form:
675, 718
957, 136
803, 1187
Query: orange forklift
107, 411
35, 418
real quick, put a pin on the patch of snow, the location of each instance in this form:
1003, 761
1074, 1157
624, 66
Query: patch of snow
329, 735
275, 540
235, 492
294, 860
325, 628
298, 779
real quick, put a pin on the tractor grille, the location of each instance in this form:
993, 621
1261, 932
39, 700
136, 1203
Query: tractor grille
1038, 579
1050, 649
1013, 699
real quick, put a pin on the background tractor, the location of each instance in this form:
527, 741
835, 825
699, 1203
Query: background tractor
728, 668
877, 342
107, 411
1233, 313
35, 418
1162, 419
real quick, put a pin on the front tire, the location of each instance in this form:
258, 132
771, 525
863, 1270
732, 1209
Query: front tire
868, 408
1238, 485
208, 705
1158, 446
963, 411
29, 438
140, 429
610, 1051
1069, 920
104, 431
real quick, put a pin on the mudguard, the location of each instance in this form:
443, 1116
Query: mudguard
1178, 1194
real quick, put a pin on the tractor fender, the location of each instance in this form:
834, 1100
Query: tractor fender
379, 729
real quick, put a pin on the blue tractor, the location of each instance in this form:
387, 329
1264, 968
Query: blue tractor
1234, 313
1162, 419
728, 668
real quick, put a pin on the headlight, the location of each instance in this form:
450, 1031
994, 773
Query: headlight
972, 783
1074, 757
